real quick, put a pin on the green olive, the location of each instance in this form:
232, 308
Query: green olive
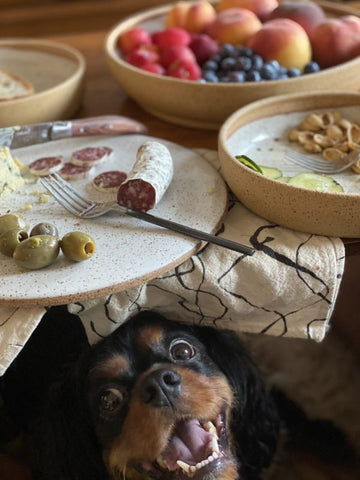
44, 229
9, 221
37, 252
10, 239
77, 246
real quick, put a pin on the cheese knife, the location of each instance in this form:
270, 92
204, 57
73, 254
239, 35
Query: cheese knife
24, 135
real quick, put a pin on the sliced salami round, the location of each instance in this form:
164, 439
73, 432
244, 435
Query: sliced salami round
75, 172
149, 178
46, 165
90, 155
109, 181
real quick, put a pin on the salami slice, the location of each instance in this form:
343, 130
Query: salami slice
109, 181
90, 155
75, 172
149, 178
46, 165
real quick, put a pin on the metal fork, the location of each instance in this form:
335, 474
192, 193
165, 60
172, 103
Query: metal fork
79, 206
323, 166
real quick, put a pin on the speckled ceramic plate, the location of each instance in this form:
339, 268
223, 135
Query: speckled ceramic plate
56, 72
129, 251
260, 131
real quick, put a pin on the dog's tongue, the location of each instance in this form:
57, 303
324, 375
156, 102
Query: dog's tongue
190, 443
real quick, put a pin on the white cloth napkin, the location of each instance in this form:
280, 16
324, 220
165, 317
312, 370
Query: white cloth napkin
287, 288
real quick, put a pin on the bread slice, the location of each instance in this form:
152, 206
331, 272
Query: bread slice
12, 86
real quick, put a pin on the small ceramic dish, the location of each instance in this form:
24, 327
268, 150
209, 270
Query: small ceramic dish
260, 131
199, 105
56, 72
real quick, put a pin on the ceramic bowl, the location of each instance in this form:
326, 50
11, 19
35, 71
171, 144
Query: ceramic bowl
56, 71
259, 130
194, 104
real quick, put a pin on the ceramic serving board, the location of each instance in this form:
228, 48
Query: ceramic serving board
128, 251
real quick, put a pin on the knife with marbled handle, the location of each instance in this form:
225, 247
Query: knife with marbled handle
24, 135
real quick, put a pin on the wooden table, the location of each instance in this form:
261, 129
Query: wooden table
103, 96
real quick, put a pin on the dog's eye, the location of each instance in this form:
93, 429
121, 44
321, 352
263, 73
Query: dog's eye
110, 400
182, 350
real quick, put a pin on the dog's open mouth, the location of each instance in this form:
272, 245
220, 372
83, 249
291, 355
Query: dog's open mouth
192, 448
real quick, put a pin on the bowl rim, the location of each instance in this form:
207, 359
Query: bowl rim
51, 47
150, 13
231, 124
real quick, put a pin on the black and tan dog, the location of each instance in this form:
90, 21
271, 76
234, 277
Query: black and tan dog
159, 400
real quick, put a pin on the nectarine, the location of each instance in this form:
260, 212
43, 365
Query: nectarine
261, 8
234, 26
176, 16
307, 14
336, 40
199, 16
283, 40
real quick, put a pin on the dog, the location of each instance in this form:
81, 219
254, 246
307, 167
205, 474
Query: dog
158, 400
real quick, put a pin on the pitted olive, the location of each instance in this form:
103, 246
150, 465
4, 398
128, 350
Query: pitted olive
9, 221
77, 246
37, 252
10, 239
44, 229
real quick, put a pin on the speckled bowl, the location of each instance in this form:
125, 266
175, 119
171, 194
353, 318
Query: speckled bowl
198, 105
259, 131
56, 72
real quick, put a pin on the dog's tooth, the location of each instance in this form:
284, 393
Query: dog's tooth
215, 455
210, 458
193, 468
210, 427
198, 465
184, 466
215, 445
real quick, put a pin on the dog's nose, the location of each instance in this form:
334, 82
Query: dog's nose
161, 388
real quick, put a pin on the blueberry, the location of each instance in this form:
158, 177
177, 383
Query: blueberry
210, 65
293, 72
257, 62
216, 58
268, 72
238, 77
253, 76
275, 64
243, 51
243, 63
226, 50
210, 76
228, 64
311, 67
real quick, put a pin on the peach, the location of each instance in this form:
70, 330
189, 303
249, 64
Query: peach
261, 8
176, 16
199, 15
336, 40
307, 14
235, 26
283, 40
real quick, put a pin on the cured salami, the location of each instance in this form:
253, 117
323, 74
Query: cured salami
149, 178
109, 181
90, 155
45, 165
75, 172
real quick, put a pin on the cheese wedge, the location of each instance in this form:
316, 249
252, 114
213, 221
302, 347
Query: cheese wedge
10, 175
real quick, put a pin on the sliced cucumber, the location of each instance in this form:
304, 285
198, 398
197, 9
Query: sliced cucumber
271, 172
248, 163
283, 179
314, 181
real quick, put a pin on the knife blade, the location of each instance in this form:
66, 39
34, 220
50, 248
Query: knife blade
24, 135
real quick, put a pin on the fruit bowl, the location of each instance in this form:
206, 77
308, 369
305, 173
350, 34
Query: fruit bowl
259, 131
207, 105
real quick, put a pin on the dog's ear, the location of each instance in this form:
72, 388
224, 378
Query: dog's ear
254, 422
64, 444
